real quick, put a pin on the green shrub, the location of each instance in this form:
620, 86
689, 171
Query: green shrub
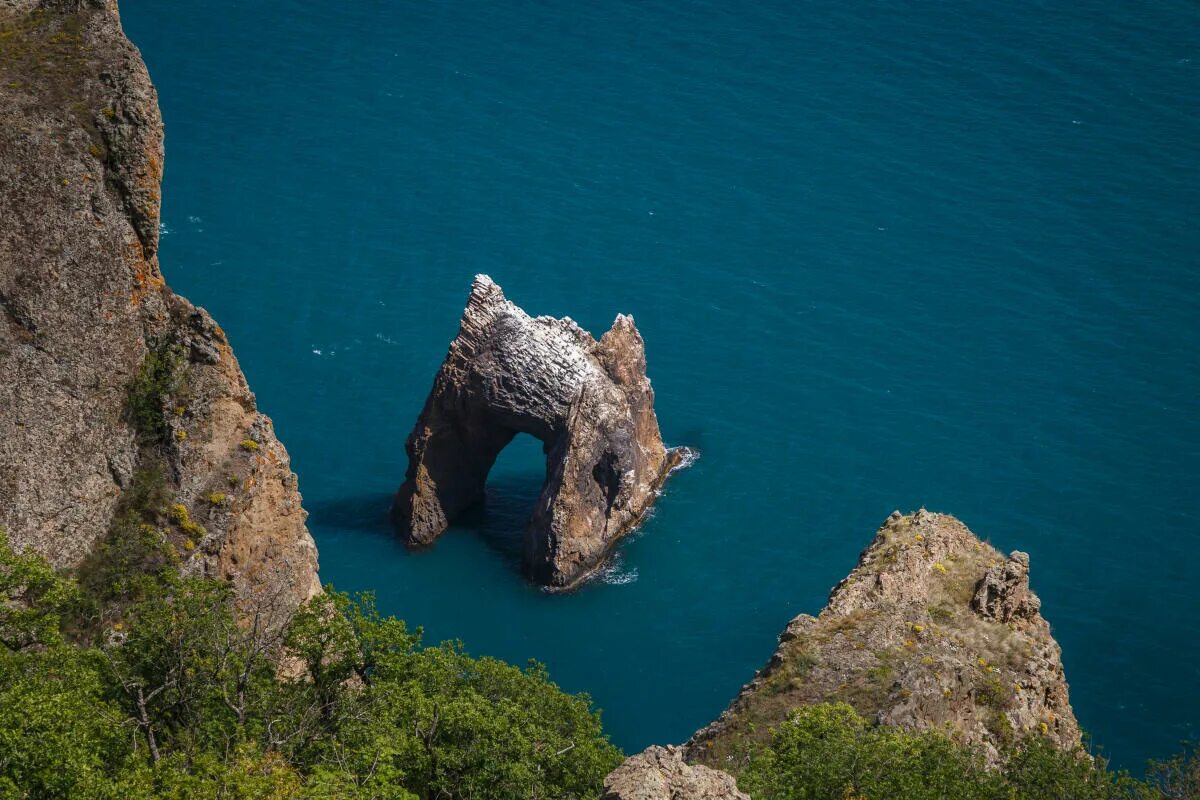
33, 599
829, 752
134, 556
194, 530
161, 376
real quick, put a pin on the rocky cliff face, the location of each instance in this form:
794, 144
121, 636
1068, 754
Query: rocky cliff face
932, 629
589, 402
85, 314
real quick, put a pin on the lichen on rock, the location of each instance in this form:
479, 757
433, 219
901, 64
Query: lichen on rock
589, 402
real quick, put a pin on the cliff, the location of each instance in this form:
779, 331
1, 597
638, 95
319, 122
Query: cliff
109, 380
934, 629
588, 401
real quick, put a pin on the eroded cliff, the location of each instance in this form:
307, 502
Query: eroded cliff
86, 319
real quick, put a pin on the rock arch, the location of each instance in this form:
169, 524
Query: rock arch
590, 404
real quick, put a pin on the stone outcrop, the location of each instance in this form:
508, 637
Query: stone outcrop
933, 629
589, 402
84, 309
1003, 593
660, 773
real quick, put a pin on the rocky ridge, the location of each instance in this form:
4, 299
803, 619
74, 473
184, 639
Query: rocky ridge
84, 310
590, 404
934, 629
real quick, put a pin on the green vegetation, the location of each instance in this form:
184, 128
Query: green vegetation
182, 518
174, 695
830, 752
134, 560
161, 378
178, 699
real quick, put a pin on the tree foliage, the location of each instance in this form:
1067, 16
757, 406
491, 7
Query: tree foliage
173, 694
182, 698
829, 752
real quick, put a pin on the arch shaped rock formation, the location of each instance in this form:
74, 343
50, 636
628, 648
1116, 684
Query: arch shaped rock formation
589, 402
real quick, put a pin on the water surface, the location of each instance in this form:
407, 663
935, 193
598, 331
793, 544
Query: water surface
884, 255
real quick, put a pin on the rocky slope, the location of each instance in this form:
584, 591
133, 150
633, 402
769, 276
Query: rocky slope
589, 402
85, 314
932, 629
660, 773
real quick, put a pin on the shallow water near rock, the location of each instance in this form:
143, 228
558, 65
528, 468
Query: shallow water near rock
882, 257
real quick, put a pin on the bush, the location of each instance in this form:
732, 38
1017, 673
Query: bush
161, 376
829, 752
133, 558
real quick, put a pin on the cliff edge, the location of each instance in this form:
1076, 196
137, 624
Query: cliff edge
108, 380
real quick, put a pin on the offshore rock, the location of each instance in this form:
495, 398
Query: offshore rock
82, 305
933, 629
590, 404
660, 773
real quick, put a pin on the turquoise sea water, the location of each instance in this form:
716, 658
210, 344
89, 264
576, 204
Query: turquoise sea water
883, 254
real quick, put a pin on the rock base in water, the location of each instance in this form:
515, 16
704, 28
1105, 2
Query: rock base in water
590, 404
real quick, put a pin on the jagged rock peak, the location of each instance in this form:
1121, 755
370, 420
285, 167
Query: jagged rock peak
934, 629
660, 773
589, 402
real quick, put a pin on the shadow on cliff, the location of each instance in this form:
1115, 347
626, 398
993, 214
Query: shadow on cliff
499, 523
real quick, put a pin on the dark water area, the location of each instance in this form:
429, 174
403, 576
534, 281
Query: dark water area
883, 256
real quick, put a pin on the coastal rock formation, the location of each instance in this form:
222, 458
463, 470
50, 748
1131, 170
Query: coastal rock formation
85, 314
933, 629
660, 773
589, 402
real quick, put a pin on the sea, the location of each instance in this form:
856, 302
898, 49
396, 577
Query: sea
885, 254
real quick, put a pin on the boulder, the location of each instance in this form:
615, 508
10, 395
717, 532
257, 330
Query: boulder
660, 773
